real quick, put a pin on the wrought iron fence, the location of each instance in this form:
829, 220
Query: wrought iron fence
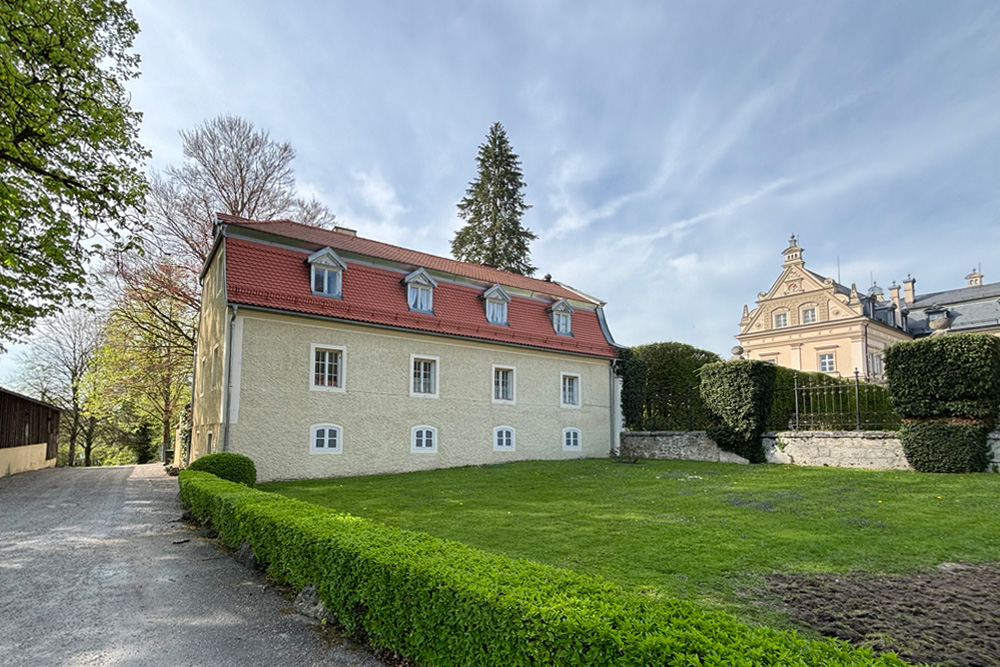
679, 410
803, 402
820, 404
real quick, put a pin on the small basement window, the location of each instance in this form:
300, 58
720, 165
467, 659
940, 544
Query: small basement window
423, 439
503, 439
571, 439
325, 439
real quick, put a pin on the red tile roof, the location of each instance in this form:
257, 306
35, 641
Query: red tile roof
268, 276
349, 242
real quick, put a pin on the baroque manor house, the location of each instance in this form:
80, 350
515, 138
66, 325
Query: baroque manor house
812, 323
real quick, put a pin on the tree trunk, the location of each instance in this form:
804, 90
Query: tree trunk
88, 440
73, 433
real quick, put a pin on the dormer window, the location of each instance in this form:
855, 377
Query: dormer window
420, 291
326, 269
562, 317
496, 299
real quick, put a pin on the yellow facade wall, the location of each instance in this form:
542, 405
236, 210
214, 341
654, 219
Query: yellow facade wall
22, 459
274, 407
210, 372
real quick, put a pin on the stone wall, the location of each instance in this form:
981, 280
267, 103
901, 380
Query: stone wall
873, 450
677, 445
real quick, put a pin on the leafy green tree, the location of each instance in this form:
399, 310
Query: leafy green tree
139, 372
492, 208
71, 177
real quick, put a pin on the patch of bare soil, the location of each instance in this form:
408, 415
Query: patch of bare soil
948, 616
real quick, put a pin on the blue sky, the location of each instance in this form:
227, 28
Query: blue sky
669, 148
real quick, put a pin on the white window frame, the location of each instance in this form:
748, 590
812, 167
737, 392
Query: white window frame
327, 275
559, 319
313, 449
423, 450
833, 362
811, 309
513, 385
329, 268
496, 312
784, 320
497, 447
419, 290
579, 439
342, 371
562, 314
562, 391
436, 361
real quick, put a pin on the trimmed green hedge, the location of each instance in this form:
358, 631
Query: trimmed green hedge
444, 603
738, 396
227, 465
940, 445
948, 390
955, 375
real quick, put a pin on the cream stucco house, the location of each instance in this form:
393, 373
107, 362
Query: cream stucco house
322, 353
810, 322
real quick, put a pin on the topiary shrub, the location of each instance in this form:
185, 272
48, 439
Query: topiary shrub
948, 390
738, 396
946, 445
666, 396
227, 465
955, 375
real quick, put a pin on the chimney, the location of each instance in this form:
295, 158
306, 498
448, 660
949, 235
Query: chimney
894, 293
974, 279
908, 294
345, 230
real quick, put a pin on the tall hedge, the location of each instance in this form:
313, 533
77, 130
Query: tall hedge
632, 371
947, 388
668, 398
443, 603
738, 396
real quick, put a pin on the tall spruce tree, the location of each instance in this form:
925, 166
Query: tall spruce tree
492, 208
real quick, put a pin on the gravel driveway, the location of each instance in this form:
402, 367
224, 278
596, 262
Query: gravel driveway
95, 569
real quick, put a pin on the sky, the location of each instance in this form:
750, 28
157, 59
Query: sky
669, 148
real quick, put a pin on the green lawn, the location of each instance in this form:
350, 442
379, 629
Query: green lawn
704, 531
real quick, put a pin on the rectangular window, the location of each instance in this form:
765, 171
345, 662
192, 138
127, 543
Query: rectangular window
503, 438
562, 323
496, 312
503, 385
420, 298
424, 439
571, 439
424, 376
780, 320
808, 316
328, 368
326, 281
326, 439
826, 363
570, 390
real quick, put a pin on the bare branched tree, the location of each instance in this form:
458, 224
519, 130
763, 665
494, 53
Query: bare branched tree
61, 354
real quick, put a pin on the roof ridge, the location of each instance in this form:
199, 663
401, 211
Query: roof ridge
583, 296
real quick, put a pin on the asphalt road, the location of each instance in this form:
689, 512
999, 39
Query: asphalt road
95, 570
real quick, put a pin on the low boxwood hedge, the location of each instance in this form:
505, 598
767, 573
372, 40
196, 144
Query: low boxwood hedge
227, 465
444, 603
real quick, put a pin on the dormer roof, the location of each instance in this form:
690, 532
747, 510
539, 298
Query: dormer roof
497, 293
420, 277
560, 306
328, 258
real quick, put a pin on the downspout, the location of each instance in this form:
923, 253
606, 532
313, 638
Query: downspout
611, 404
229, 378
